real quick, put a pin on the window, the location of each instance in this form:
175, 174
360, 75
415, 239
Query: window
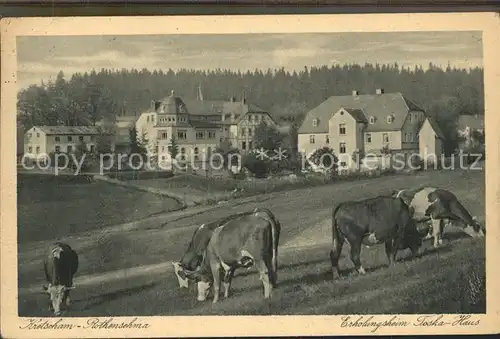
70, 138
30, 149
242, 132
211, 134
315, 122
343, 164
164, 135
69, 149
342, 129
147, 118
249, 132
163, 148
92, 138
311, 139
410, 117
250, 145
57, 138
181, 135
183, 150
37, 149
372, 120
249, 118
58, 149
196, 150
390, 119
327, 139
244, 145
385, 137
368, 138
342, 148
38, 135
410, 137
80, 138
29, 135
92, 148
153, 119
200, 135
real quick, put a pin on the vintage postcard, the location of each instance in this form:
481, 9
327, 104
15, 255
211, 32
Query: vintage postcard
249, 175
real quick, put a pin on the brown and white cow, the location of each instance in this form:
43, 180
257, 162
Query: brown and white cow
246, 241
60, 266
435, 206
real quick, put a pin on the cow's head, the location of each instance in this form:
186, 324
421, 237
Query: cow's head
475, 230
57, 294
181, 274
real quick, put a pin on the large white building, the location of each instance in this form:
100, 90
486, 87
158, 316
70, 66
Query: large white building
199, 126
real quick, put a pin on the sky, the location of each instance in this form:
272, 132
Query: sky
41, 58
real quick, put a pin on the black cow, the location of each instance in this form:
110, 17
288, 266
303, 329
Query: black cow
246, 241
60, 266
369, 222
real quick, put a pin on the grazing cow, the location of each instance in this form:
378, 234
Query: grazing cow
193, 256
246, 241
369, 222
435, 205
60, 265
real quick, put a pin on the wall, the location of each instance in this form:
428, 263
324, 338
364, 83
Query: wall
428, 143
306, 147
351, 137
377, 141
411, 128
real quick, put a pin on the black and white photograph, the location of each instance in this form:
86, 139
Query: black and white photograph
336, 173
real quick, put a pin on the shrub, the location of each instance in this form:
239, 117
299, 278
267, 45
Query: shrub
257, 166
325, 157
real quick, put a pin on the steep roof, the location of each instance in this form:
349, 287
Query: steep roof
69, 130
434, 125
378, 106
357, 114
471, 121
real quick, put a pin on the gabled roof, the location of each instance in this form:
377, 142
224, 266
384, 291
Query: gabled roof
357, 114
434, 124
471, 121
378, 106
69, 130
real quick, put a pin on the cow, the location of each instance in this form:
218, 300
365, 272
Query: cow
194, 254
246, 241
373, 221
435, 206
60, 266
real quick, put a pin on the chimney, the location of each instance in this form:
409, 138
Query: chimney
380, 91
172, 92
355, 93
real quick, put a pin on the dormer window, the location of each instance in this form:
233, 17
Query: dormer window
372, 120
390, 119
315, 122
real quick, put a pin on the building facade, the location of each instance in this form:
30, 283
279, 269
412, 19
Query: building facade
374, 124
198, 126
43, 140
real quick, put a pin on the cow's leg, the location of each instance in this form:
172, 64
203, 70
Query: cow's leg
356, 255
436, 232
216, 274
265, 275
390, 251
338, 242
228, 276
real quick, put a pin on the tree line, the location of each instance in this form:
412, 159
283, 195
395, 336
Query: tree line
85, 98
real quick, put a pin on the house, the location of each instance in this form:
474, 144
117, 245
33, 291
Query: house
374, 124
40, 141
199, 126
121, 131
467, 125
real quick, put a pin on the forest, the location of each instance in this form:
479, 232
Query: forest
84, 98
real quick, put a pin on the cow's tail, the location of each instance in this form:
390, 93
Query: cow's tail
275, 234
336, 243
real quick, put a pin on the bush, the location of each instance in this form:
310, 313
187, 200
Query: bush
139, 175
260, 168
325, 157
